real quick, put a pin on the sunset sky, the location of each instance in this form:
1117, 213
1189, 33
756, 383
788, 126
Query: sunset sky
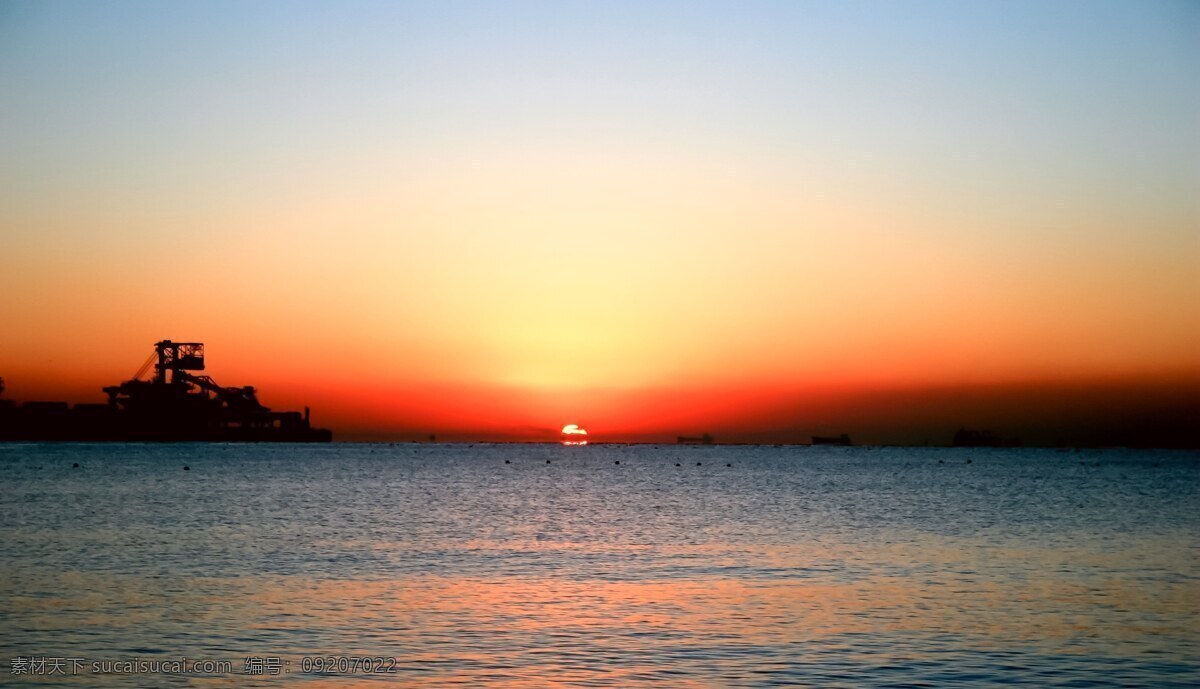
490, 219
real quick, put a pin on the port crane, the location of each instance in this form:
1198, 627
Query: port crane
176, 392
173, 362
177, 403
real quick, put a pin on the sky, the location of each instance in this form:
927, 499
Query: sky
763, 220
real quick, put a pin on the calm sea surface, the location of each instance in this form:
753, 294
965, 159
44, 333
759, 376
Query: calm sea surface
471, 565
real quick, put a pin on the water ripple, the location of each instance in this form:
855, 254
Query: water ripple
793, 566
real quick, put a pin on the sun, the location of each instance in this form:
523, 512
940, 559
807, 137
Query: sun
572, 434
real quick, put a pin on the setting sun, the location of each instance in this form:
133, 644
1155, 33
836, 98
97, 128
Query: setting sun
572, 434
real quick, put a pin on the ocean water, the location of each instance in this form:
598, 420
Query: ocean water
532, 565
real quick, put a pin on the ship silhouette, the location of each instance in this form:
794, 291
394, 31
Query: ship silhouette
175, 405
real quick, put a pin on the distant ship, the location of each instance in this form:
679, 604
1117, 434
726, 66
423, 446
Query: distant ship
842, 439
705, 439
173, 406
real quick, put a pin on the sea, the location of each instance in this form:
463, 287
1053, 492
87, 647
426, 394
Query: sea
524, 565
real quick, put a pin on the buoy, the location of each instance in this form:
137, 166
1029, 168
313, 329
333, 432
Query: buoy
187, 468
